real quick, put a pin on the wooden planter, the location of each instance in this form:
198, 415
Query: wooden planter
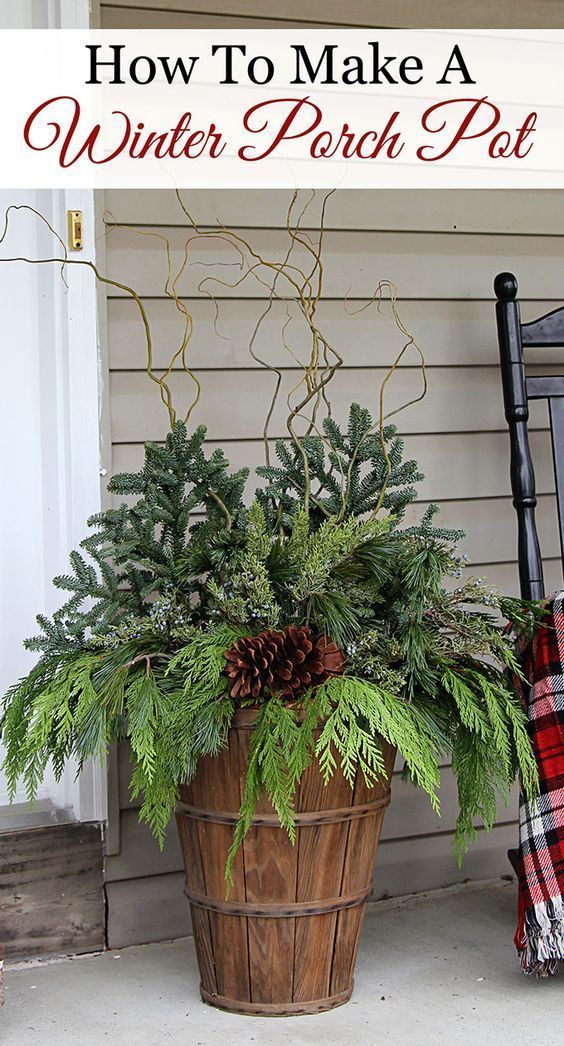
286, 940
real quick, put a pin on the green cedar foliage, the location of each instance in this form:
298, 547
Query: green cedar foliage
155, 600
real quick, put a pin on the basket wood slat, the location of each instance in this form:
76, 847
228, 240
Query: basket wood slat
285, 942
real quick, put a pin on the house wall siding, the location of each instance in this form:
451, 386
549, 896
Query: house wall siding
380, 14
442, 250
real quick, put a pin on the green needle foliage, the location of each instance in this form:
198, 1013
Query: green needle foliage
171, 579
348, 472
134, 552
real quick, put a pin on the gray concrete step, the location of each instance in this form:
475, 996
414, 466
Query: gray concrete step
437, 968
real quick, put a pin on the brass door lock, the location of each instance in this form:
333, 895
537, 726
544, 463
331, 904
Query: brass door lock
75, 230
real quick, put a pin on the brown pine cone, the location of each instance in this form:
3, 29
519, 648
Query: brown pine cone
286, 662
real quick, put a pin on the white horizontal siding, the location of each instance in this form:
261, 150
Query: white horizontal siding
521, 212
466, 400
419, 264
451, 333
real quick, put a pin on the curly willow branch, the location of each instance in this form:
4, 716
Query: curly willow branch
382, 416
304, 289
286, 282
170, 290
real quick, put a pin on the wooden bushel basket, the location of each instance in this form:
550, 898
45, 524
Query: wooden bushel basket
285, 941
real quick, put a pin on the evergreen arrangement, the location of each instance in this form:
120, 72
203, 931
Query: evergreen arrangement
317, 605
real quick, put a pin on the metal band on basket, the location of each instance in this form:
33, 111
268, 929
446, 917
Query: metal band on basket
345, 813
284, 910
276, 1009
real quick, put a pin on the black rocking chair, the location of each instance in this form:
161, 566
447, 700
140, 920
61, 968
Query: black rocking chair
518, 389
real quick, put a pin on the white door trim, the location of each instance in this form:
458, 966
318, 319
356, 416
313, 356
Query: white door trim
53, 384
51, 431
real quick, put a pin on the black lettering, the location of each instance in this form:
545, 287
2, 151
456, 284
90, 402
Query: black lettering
326, 59
457, 64
115, 63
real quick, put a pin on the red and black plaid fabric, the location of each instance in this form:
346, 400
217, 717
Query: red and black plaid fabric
540, 932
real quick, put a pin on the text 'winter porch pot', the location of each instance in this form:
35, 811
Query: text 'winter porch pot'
266, 656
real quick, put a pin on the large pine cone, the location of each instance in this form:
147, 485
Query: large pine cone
286, 662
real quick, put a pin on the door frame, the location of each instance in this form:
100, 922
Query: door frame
56, 379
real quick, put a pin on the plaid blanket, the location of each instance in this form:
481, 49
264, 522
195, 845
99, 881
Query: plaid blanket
540, 932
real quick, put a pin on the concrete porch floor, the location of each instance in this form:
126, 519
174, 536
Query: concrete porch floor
434, 968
